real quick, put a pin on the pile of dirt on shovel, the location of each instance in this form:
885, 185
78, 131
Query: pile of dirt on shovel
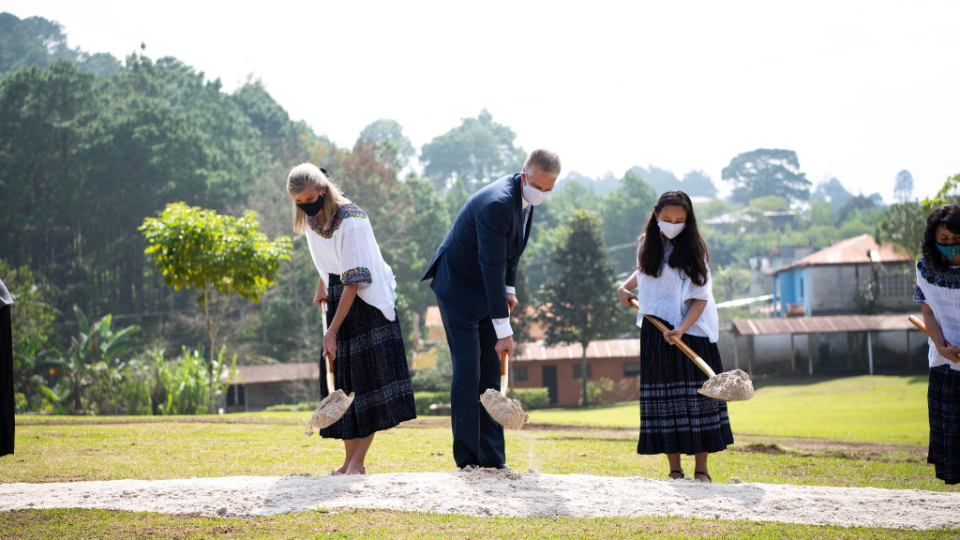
329, 411
504, 410
729, 386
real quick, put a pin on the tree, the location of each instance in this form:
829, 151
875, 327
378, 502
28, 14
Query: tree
697, 183
625, 212
477, 152
902, 225
389, 132
832, 192
903, 187
579, 301
221, 258
767, 172
95, 346
858, 203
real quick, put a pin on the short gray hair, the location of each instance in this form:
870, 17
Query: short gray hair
544, 160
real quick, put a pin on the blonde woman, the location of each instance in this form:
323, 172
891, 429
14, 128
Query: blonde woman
364, 335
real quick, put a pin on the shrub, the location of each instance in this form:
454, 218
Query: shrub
531, 398
303, 406
423, 400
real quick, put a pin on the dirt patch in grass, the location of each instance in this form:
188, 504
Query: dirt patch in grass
762, 448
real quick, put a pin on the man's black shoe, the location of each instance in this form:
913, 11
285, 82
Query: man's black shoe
503, 467
469, 467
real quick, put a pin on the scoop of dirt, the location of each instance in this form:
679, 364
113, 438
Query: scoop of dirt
504, 410
329, 411
729, 386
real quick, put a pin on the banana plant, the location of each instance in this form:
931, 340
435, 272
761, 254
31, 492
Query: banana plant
96, 343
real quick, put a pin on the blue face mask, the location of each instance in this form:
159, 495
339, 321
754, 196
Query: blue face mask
950, 251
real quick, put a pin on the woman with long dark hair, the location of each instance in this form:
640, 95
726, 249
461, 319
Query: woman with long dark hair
359, 290
938, 289
673, 279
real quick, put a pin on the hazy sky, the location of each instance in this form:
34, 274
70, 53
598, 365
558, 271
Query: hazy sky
860, 89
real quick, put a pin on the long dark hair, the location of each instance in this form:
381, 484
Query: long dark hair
689, 250
947, 215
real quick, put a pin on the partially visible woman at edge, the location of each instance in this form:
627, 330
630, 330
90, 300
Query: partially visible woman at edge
674, 286
364, 335
938, 289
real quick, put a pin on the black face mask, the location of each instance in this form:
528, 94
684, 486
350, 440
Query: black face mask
313, 208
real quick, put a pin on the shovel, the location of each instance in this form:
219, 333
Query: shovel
919, 324
507, 412
728, 386
335, 405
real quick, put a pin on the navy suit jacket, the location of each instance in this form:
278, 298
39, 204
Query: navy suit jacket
479, 256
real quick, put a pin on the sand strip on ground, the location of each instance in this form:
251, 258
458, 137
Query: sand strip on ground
488, 492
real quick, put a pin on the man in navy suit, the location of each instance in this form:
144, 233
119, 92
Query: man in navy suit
474, 275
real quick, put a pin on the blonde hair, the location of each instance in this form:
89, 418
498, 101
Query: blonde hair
308, 175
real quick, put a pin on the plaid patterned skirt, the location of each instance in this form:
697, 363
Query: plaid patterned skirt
943, 400
674, 418
372, 363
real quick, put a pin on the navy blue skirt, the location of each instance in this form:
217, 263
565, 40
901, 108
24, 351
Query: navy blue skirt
372, 363
674, 417
943, 400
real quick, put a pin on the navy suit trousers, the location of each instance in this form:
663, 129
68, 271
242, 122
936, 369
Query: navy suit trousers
477, 438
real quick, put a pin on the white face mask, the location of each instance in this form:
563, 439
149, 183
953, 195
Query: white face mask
533, 195
670, 230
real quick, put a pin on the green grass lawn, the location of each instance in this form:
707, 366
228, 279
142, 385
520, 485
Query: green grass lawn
69, 524
887, 414
868, 409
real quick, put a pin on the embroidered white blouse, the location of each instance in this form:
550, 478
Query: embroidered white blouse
349, 249
940, 289
669, 296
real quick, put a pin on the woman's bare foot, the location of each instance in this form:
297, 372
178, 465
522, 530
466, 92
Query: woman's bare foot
676, 475
356, 470
703, 477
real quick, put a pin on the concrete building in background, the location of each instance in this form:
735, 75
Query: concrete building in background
257, 387
827, 282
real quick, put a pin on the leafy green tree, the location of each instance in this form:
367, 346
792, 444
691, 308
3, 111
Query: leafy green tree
95, 348
903, 186
858, 203
579, 301
820, 213
221, 258
948, 194
36, 41
32, 317
764, 172
477, 152
389, 132
697, 183
833, 192
902, 225
625, 211
769, 203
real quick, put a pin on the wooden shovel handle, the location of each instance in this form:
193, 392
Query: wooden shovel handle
920, 324
679, 343
327, 359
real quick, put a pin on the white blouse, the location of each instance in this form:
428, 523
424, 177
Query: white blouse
940, 290
669, 296
349, 249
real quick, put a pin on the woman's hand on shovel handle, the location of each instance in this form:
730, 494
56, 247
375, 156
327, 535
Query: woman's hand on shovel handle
321, 297
505, 344
676, 333
330, 345
623, 291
